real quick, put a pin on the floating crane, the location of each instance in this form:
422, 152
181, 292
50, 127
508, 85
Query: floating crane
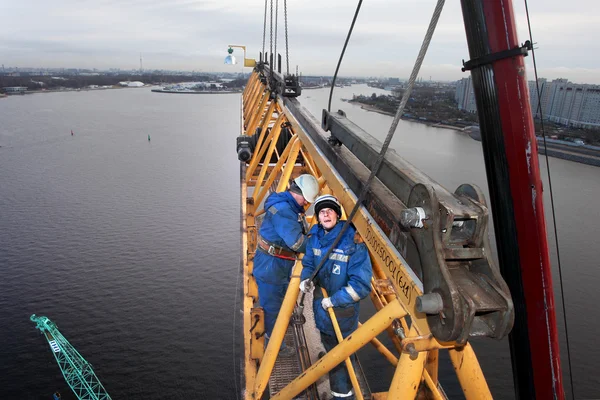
77, 371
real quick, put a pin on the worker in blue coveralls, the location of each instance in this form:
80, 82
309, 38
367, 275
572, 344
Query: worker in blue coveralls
346, 276
281, 236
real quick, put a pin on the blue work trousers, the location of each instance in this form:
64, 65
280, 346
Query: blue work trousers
271, 298
339, 380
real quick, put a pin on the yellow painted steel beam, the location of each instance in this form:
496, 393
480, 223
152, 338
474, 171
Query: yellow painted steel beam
251, 100
380, 274
257, 96
267, 151
379, 396
262, 192
283, 319
257, 334
363, 335
348, 361
290, 160
408, 375
435, 392
256, 88
258, 115
252, 285
380, 347
426, 343
265, 123
379, 302
310, 164
469, 373
259, 150
247, 301
249, 87
429, 380
432, 365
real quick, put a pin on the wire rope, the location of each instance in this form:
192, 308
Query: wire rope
271, 36
276, 23
342, 55
560, 277
264, 30
287, 52
411, 82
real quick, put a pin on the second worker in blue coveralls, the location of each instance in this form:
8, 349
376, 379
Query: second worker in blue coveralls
345, 275
281, 236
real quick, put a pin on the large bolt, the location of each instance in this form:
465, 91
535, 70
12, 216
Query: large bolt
430, 303
412, 351
412, 217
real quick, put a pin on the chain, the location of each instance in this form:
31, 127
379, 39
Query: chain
276, 20
264, 30
287, 52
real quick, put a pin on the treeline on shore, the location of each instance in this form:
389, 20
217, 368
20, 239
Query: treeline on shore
426, 103
438, 106
81, 81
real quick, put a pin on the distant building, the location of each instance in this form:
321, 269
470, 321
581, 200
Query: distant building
14, 89
559, 101
464, 96
312, 80
131, 84
572, 104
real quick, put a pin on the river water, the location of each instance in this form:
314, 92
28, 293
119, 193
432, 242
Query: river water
132, 246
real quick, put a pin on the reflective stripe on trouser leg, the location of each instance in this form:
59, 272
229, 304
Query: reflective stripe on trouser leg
342, 395
339, 380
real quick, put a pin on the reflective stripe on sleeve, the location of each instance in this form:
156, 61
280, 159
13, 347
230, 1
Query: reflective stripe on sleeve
350, 290
298, 244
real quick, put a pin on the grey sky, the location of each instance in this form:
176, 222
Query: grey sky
194, 34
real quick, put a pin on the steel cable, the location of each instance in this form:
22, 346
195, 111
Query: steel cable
264, 30
342, 55
388, 139
287, 52
276, 21
271, 36
560, 277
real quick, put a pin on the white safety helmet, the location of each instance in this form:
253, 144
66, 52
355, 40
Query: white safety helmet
328, 201
309, 186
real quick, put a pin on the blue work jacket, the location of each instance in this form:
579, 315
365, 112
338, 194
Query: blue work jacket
346, 276
281, 227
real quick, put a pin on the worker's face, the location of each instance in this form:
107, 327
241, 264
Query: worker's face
328, 218
303, 202
299, 199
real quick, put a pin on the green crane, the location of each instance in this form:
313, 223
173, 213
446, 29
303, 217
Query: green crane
77, 371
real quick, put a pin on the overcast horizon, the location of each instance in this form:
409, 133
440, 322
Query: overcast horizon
193, 35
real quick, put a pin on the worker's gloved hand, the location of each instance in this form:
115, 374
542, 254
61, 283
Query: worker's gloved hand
307, 286
326, 303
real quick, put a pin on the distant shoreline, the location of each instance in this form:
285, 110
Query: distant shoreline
369, 107
197, 91
68, 90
